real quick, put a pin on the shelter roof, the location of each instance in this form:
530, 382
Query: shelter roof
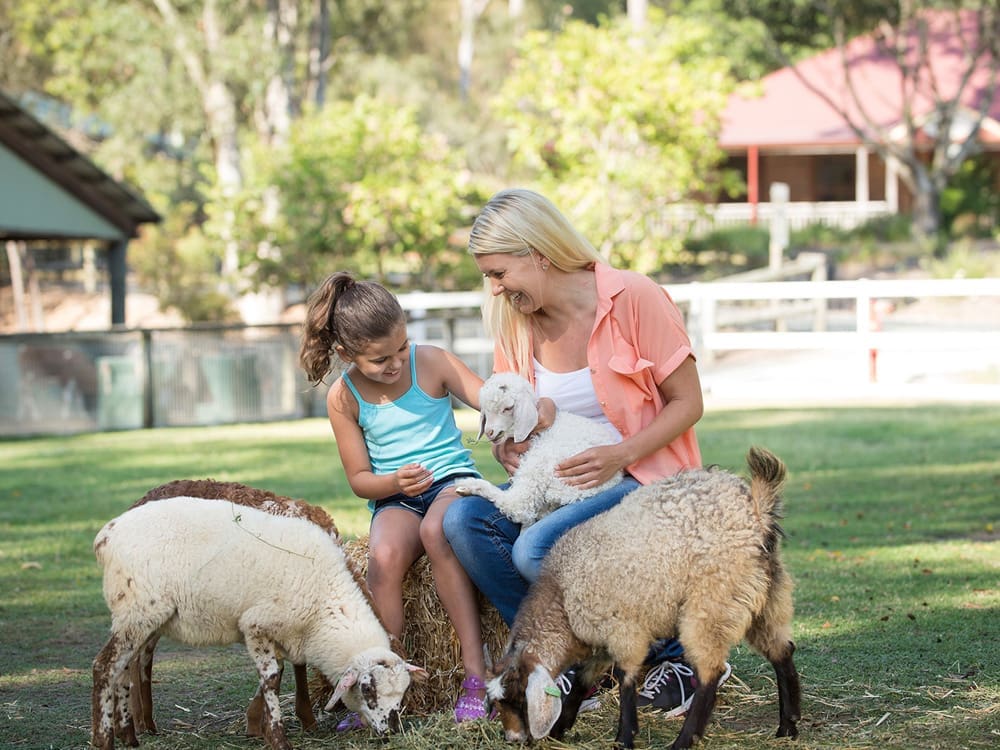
787, 113
46, 153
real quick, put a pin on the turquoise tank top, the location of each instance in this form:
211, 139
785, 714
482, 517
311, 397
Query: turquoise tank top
415, 428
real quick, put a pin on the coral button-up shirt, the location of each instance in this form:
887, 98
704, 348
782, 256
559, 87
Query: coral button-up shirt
638, 340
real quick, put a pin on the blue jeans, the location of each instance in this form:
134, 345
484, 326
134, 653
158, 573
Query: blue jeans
502, 560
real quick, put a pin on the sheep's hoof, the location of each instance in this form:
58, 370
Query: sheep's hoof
461, 489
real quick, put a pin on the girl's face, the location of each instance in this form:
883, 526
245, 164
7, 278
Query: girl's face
519, 277
383, 360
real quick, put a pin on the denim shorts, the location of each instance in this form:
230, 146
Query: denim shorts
418, 504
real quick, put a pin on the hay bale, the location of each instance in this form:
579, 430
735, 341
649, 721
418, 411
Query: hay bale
429, 640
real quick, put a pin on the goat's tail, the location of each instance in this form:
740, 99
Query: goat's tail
767, 477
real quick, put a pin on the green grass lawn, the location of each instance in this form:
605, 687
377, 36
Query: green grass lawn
891, 515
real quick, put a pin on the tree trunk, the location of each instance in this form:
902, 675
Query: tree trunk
637, 11
927, 211
279, 104
279, 109
14, 260
471, 10
319, 54
218, 107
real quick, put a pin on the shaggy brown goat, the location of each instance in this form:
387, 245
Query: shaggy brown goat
706, 546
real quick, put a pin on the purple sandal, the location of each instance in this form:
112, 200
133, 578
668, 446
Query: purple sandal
471, 703
350, 723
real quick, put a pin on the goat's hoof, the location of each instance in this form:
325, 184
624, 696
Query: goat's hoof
790, 731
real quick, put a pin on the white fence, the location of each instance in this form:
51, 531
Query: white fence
865, 294
850, 329
756, 341
700, 219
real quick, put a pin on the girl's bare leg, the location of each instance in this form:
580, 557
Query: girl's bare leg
454, 587
393, 546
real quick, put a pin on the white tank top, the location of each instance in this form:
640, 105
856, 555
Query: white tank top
573, 392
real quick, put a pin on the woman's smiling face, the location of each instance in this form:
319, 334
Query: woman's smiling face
519, 277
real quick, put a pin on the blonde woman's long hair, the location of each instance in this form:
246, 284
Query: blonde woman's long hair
518, 221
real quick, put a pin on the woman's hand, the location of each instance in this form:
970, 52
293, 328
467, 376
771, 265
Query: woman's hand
593, 467
413, 479
508, 453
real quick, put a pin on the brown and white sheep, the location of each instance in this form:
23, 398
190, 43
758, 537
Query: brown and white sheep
705, 545
141, 666
209, 572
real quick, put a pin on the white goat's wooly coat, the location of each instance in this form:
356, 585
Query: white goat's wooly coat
509, 409
209, 572
705, 546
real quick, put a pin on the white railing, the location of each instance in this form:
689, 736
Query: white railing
702, 219
865, 293
701, 299
845, 321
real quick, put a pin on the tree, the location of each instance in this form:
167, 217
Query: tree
945, 59
179, 86
360, 185
611, 151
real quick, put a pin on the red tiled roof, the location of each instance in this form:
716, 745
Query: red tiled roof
788, 113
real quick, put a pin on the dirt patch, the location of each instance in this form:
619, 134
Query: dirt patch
69, 309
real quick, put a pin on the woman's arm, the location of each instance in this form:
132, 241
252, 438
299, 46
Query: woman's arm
683, 407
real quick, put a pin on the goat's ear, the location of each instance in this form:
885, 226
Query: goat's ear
418, 674
346, 681
525, 418
544, 702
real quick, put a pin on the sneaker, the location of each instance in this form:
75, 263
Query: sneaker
350, 723
471, 703
565, 683
670, 686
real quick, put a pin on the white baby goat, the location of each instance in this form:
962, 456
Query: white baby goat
509, 409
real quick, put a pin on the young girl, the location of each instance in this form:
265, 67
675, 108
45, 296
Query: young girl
391, 414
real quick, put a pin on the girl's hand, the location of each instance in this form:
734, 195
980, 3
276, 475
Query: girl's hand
592, 467
413, 479
508, 453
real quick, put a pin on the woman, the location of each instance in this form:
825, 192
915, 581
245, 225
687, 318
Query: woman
601, 342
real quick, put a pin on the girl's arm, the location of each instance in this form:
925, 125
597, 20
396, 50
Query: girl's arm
452, 373
342, 410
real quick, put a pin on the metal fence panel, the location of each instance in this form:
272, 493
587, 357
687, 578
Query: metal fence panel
65, 383
118, 380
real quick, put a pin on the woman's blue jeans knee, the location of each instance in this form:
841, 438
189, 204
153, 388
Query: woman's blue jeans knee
501, 559
535, 541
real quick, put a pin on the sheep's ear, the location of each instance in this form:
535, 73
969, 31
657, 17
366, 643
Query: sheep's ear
544, 702
482, 426
525, 419
346, 681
